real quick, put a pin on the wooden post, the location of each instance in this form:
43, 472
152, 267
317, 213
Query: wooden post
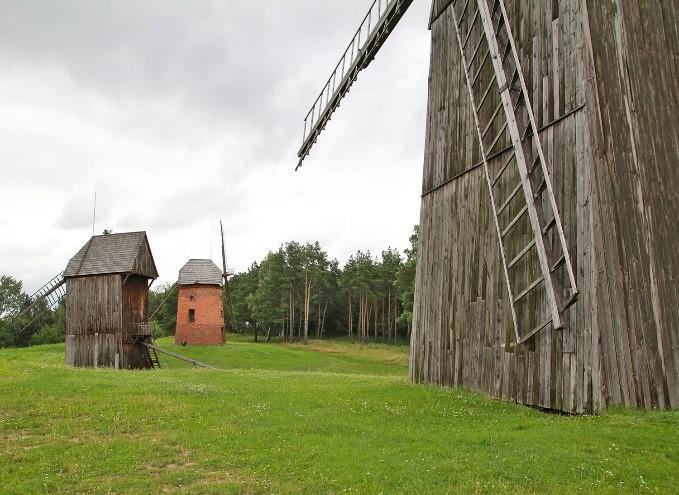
95, 359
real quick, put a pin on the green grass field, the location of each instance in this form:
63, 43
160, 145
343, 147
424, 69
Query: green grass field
329, 418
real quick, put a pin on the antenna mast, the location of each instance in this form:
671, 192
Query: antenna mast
94, 209
227, 291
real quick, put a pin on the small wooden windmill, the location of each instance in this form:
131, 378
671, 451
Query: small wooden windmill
547, 261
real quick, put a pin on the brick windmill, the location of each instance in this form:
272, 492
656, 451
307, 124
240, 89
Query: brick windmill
200, 313
547, 257
203, 296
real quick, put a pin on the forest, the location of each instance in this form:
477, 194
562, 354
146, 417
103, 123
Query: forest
295, 293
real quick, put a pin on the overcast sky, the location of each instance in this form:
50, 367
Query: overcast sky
182, 113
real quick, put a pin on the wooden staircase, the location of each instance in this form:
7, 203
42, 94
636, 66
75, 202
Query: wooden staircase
153, 356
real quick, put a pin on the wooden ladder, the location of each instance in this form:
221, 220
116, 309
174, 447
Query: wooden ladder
501, 106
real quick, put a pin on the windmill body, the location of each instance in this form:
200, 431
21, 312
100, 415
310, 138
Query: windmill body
547, 262
107, 287
200, 313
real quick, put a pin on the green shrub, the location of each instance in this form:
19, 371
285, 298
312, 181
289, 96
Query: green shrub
51, 334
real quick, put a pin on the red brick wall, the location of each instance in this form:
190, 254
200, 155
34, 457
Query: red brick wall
208, 328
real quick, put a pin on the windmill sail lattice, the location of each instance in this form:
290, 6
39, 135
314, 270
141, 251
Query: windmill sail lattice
503, 113
52, 292
381, 19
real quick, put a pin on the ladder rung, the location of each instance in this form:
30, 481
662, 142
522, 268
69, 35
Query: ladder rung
534, 166
519, 98
504, 167
551, 224
541, 188
485, 94
501, 22
527, 132
492, 119
507, 50
471, 28
473, 55
558, 263
497, 138
509, 198
523, 253
478, 71
496, 4
528, 289
535, 330
464, 9
571, 300
513, 222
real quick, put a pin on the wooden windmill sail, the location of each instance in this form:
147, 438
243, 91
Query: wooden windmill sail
51, 293
504, 121
372, 32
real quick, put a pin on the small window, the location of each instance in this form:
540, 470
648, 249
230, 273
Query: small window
192, 315
192, 297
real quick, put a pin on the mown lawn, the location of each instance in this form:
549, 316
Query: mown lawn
329, 418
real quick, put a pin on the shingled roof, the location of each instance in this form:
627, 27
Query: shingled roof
114, 253
203, 272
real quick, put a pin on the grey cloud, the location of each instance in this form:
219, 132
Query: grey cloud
231, 62
191, 111
74, 216
187, 207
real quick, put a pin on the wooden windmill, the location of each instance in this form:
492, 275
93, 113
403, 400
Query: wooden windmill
535, 123
106, 286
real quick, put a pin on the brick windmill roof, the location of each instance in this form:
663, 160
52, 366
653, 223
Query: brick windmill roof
203, 272
113, 253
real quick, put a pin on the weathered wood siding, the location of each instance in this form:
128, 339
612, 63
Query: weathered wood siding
634, 47
135, 296
94, 310
100, 315
144, 263
94, 304
135, 316
462, 330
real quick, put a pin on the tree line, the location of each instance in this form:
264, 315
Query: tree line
295, 293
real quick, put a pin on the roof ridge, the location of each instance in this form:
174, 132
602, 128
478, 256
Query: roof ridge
113, 253
120, 233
